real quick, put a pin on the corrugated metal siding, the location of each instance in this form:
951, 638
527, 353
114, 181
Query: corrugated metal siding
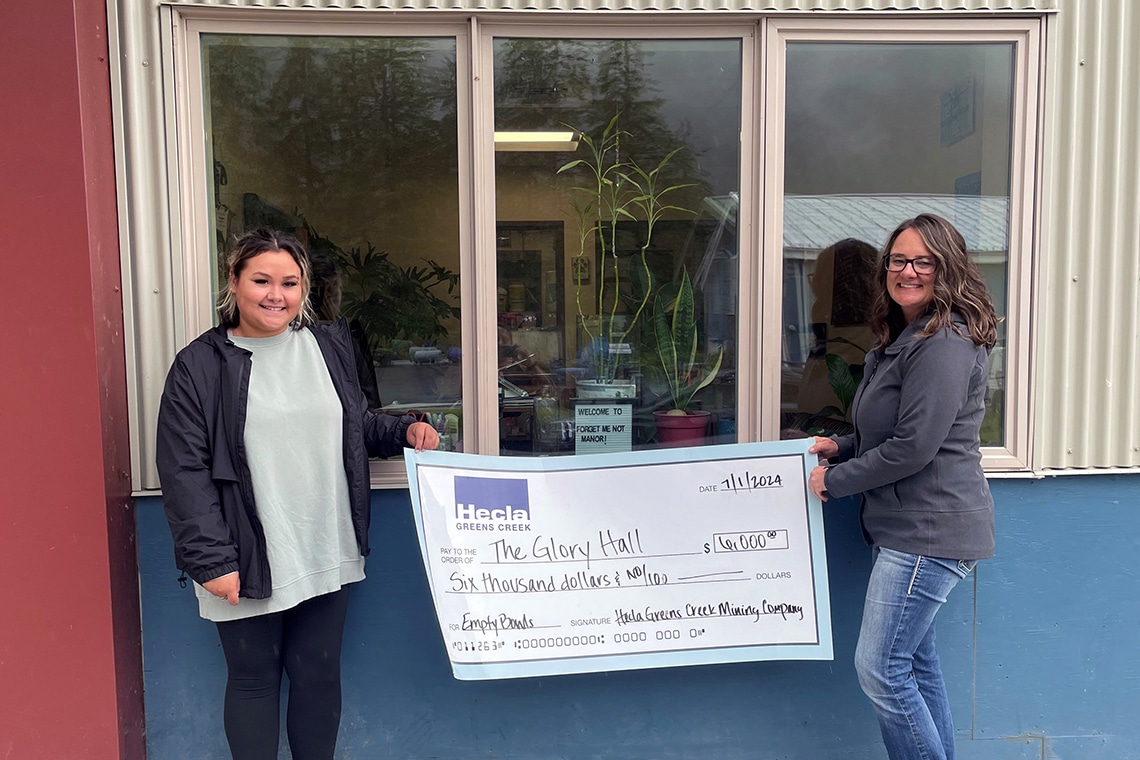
1088, 397
642, 5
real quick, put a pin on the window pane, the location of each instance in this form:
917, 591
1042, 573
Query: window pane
876, 134
616, 248
350, 143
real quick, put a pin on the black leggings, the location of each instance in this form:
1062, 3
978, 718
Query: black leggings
305, 643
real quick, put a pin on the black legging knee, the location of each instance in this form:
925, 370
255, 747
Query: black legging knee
305, 643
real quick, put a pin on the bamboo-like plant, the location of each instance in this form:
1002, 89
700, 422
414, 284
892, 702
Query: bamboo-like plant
617, 189
675, 335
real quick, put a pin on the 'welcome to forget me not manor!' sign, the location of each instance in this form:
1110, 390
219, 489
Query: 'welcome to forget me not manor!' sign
643, 559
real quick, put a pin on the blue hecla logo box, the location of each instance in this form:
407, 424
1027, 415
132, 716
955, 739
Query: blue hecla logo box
494, 499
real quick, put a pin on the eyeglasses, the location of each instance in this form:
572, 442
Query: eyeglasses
920, 265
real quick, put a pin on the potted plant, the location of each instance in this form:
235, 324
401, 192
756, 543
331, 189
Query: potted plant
395, 308
616, 189
844, 379
395, 302
675, 350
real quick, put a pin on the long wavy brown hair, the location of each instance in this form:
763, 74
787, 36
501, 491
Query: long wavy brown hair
958, 288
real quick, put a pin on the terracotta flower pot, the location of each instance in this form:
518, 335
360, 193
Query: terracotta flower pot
681, 429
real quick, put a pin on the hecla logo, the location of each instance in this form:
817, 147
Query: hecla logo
495, 499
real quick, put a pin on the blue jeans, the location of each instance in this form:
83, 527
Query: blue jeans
895, 659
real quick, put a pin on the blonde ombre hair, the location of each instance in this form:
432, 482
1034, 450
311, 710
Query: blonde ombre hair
254, 243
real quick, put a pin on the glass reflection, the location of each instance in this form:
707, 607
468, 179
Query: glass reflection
617, 266
876, 134
350, 143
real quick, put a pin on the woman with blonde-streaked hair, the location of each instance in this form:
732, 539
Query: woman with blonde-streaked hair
915, 456
262, 450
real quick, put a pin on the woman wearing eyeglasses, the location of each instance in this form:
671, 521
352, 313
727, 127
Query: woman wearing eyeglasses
915, 456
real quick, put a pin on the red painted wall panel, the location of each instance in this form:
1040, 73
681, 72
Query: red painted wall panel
70, 668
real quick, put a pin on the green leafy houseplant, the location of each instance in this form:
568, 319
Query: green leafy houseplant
615, 189
844, 380
388, 302
675, 346
394, 302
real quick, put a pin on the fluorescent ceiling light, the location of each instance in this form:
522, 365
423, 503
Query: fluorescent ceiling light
536, 141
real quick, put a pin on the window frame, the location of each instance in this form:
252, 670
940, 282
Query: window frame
1026, 35
475, 63
764, 40
195, 312
590, 28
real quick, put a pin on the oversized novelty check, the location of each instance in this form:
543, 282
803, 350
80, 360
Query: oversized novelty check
608, 562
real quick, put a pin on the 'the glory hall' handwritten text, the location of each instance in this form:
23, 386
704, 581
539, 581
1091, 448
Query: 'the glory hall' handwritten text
549, 549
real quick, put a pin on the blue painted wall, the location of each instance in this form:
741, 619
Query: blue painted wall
1039, 648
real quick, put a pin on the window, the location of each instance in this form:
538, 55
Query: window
351, 144
515, 218
881, 123
616, 249
882, 133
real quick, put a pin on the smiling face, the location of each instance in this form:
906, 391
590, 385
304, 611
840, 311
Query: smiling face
268, 291
912, 291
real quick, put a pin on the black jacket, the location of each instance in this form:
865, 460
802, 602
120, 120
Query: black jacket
206, 487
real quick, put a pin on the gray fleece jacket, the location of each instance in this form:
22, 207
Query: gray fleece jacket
915, 453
